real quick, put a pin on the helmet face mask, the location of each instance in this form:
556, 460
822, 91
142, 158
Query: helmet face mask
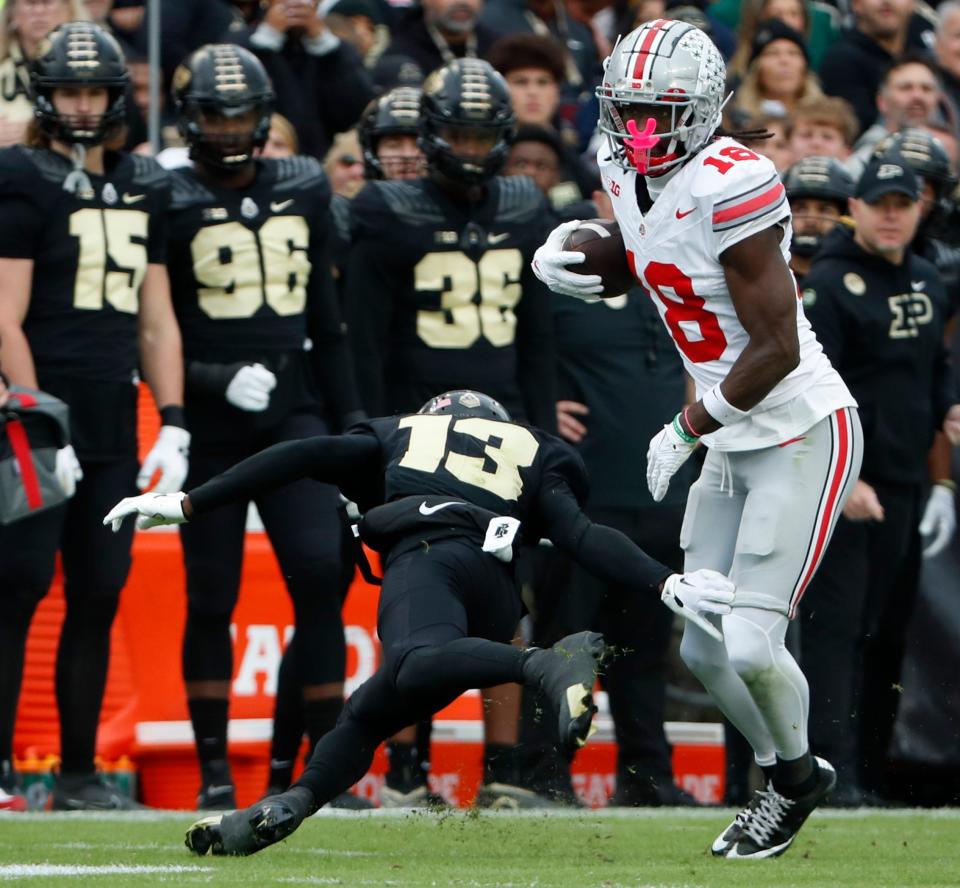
224, 103
668, 72
467, 123
77, 59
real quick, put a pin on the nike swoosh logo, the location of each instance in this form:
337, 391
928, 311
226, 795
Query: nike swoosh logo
133, 198
429, 510
281, 205
687, 213
496, 238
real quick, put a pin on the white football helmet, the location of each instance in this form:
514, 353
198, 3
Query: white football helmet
663, 64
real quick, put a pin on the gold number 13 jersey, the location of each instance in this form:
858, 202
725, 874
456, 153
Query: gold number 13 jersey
719, 197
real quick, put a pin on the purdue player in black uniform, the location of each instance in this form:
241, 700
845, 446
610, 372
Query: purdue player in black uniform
83, 280
448, 494
439, 290
248, 261
818, 189
387, 132
440, 293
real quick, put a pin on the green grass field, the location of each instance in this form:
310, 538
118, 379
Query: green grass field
651, 848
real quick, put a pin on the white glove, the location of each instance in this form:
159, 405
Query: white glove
154, 509
498, 541
700, 592
666, 453
67, 470
550, 265
250, 388
939, 520
168, 454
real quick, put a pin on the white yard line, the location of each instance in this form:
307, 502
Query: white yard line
37, 870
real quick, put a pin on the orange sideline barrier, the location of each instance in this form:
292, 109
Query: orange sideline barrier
145, 714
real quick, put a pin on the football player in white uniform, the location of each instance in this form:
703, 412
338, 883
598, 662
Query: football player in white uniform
706, 225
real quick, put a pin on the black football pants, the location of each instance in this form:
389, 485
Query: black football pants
446, 617
303, 523
854, 620
96, 563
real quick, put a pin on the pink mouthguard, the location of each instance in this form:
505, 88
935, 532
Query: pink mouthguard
639, 144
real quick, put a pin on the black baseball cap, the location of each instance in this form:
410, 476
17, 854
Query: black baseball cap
887, 173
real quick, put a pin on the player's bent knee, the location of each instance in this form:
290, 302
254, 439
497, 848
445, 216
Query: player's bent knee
750, 656
700, 652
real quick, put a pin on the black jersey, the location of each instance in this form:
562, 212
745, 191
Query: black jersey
440, 296
882, 327
90, 251
251, 283
425, 477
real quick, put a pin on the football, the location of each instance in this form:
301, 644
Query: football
601, 242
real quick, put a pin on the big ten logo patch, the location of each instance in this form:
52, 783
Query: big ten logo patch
258, 648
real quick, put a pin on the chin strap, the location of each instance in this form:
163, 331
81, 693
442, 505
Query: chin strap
77, 179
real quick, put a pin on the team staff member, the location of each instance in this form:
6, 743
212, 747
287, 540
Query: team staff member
84, 298
249, 264
460, 476
878, 309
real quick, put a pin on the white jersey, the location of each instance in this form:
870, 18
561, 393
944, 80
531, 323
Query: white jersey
721, 196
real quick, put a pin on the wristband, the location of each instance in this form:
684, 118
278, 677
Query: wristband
173, 415
946, 482
690, 439
690, 428
720, 408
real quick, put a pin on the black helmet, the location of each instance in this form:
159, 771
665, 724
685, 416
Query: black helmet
78, 54
467, 93
227, 81
397, 113
464, 402
821, 178
927, 157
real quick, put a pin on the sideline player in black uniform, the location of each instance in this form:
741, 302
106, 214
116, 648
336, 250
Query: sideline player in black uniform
448, 494
439, 289
818, 189
248, 261
83, 281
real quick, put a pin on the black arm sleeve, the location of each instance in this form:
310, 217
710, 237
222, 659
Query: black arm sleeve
332, 459
605, 552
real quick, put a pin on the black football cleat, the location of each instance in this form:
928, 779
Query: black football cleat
775, 820
245, 832
566, 673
